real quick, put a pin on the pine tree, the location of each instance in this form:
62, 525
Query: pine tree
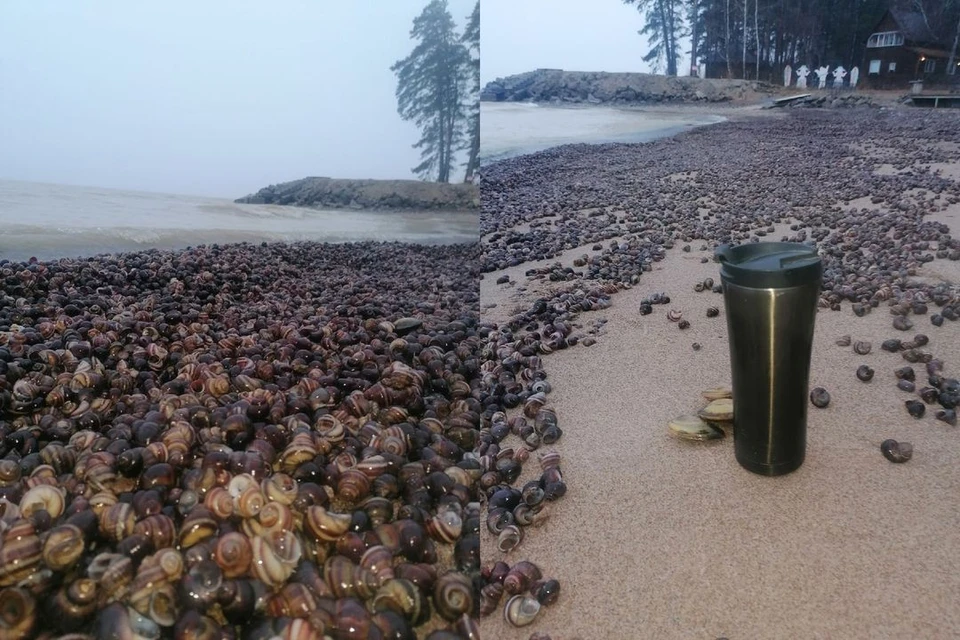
664, 29
471, 39
431, 87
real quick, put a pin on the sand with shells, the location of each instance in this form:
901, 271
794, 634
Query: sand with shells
664, 538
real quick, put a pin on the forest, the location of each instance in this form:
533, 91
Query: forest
754, 39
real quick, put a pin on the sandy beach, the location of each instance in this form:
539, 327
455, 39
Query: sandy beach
662, 538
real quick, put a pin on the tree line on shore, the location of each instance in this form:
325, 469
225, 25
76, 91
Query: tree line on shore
755, 39
438, 89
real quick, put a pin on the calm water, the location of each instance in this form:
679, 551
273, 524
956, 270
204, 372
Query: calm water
514, 128
54, 221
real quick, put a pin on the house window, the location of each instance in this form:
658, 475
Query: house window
930, 66
892, 67
874, 66
885, 39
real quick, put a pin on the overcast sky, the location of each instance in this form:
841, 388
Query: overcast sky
576, 35
211, 97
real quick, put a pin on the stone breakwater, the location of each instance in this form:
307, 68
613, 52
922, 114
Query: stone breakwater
589, 220
330, 193
268, 441
558, 86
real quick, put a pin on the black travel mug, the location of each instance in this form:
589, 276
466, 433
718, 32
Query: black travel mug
770, 292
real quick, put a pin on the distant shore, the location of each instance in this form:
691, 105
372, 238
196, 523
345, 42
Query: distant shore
332, 193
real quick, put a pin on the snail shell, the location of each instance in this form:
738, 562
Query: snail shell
379, 561
326, 526
113, 572
18, 613
198, 526
674, 315
521, 577
43, 497
74, 603
118, 521
20, 553
490, 596
446, 526
521, 610
509, 538
280, 487
294, 600
403, 597
353, 485
220, 503
275, 556
233, 554
453, 595
346, 579
63, 547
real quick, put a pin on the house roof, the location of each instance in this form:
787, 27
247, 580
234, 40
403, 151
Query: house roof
914, 26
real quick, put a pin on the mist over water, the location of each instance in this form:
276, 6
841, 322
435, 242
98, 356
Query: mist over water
512, 129
50, 221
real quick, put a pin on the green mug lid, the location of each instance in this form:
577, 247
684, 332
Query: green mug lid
770, 265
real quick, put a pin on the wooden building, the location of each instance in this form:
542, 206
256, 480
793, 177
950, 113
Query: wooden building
902, 48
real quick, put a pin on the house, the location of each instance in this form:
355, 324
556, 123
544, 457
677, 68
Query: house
903, 48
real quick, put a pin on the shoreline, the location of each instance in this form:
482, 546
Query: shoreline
672, 539
642, 132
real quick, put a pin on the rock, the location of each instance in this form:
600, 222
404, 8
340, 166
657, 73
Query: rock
330, 193
558, 86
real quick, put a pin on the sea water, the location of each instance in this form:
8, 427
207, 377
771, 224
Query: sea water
510, 129
50, 221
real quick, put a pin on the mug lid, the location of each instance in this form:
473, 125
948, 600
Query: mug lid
770, 265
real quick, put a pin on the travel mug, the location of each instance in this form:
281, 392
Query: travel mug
770, 292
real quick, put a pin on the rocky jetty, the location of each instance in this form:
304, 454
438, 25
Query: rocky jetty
572, 87
332, 193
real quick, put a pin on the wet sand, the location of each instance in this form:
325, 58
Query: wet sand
661, 538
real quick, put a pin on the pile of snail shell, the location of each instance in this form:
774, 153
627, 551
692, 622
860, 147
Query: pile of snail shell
165, 476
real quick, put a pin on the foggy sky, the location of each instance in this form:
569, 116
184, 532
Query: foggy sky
219, 97
575, 35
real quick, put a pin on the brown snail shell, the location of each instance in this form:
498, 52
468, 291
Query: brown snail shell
294, 600
326, 526
20, 553
76, 602
521, 577
198, 526
275, 556
18, 613
896, 451
445, 526
862, 347
379, 561
113, 572
346, 579
117, 522
490, 596
453, 595
247, 496
233, 554
403, 597
280, 487
219, 502
353, 485
63, 547
159, 529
